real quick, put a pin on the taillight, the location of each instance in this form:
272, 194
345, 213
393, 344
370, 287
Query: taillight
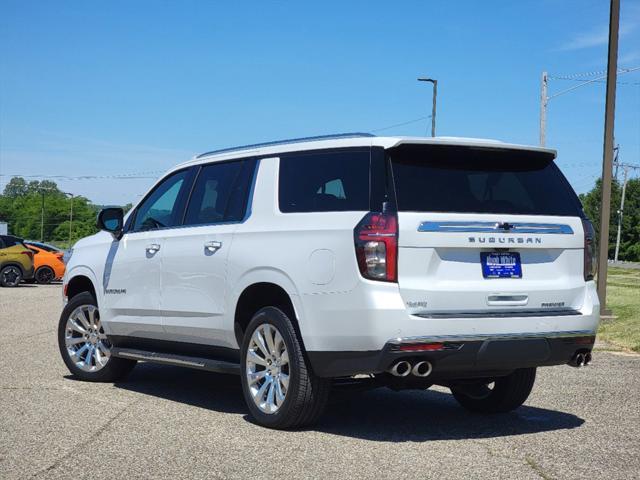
590, 250
376, 242
28, 253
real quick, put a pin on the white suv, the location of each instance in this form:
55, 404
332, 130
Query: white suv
392, 261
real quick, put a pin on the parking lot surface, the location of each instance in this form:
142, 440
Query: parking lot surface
167, 422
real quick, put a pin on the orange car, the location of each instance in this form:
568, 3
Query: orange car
47, 261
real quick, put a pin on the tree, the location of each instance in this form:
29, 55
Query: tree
630, 238
21, 208
16, 187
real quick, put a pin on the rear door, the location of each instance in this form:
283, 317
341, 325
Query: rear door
194, 258
486, 231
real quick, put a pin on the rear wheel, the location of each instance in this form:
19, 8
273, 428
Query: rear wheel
44, 275
10, 276
84, 347
279, 388
502, 395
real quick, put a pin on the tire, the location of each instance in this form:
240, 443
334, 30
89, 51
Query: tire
93, 363
508, 393
44, 275
305, 394
10, 276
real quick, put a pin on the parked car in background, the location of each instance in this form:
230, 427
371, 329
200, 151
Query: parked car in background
16, 261
48, 262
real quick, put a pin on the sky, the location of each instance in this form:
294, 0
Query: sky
128, 89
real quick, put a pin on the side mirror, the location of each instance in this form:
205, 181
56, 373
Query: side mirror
111, 220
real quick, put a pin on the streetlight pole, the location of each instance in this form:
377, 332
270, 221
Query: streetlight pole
433, 108
607, 160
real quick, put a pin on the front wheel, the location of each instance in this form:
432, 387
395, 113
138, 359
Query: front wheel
279, 388
502, 395
84, 347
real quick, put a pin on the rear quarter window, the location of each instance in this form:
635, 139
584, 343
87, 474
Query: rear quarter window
480, 180
325, 181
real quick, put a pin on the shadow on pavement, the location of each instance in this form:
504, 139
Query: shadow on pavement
218, 392
378, 415
418, 416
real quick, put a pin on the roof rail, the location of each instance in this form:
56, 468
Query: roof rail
285, 142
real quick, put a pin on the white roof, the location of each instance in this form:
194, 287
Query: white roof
349, 140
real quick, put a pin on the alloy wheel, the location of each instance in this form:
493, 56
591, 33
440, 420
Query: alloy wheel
44, 275
85, 340
267, 368
11, 276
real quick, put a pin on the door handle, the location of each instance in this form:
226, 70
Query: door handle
152, 248
213, 246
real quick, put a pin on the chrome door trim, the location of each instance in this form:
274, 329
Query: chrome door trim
496, 227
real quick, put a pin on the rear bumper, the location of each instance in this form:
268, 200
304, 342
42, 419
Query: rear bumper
460, 356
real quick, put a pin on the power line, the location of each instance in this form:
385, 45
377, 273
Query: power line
551, 77
122, 176
589, 74
401, 124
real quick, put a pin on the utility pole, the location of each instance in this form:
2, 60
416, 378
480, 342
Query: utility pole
625, 169
544, 99
609, 117
433, 107
624, 189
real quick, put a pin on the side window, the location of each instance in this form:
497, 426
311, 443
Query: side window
220, 193
163, 208
2, 242
335, 181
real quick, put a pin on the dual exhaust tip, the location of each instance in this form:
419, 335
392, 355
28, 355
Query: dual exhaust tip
403, 368
580, 360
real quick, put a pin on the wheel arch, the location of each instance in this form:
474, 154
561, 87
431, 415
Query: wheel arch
12, 263
78, 284
259, 295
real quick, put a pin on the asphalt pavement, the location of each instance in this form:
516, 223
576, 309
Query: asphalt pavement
168, 422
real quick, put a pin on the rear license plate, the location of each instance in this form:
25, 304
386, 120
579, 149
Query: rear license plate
501, 265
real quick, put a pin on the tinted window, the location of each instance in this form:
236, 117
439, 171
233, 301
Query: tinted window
162, 208
220, 193
473, 180
325, 181
44, 246
10, 241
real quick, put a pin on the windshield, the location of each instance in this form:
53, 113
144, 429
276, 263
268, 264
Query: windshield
444, 178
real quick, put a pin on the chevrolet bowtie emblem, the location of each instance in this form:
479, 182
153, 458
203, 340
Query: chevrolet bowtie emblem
504, 226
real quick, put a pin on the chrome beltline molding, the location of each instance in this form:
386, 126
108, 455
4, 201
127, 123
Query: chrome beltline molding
495, 227
490, 336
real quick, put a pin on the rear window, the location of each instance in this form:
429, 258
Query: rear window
9, 241
480, 180
327, 181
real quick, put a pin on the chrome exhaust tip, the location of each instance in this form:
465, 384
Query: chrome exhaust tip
400, 369
587, 359
577, 360
422, 369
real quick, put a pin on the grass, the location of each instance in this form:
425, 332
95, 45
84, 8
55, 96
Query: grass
623, 298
